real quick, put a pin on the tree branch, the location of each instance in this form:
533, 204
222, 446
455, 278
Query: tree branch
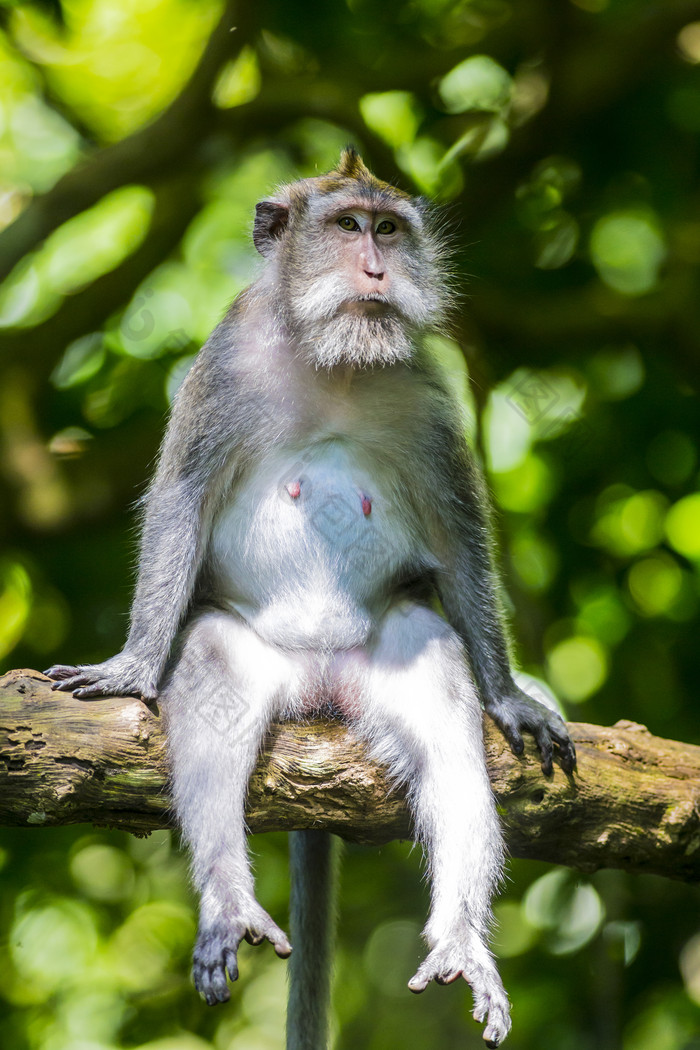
634, 802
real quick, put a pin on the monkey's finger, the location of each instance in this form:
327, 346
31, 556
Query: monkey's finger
67, 685
95, 689
254, 938
510, 727
515, 740
61, 687
568, 756
567, 751
59, 671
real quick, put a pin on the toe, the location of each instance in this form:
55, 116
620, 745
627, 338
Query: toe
277, 938
231, 961
418, 983
210, 982
218, 985
498, 1021
449, 978
280, 943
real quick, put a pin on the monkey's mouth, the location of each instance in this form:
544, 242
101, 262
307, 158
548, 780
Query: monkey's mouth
367, 306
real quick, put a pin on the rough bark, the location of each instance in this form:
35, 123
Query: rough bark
634, 802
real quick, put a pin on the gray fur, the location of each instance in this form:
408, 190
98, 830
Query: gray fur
313, 496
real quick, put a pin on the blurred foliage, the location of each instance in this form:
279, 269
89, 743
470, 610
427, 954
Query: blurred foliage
563, 141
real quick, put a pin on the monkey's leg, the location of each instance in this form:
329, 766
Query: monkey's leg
219, 699
422, 718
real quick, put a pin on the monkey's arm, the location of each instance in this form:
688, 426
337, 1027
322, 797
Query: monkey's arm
468, 590
170, 558
173, 539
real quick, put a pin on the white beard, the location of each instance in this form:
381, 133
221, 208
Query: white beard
332, 334
354, 339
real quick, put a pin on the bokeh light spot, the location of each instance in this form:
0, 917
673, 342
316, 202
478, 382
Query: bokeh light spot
628, 250
527, 487
15, 603
683, 526
577, 667
63, 930
514, 934
239, 81
655, 584
570, 911
477, 83
688, 41
690, 967
629, 525
102, 872
392, 114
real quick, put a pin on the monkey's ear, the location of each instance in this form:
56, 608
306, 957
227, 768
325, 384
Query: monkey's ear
270, 223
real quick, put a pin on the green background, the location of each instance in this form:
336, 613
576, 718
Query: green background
562, 140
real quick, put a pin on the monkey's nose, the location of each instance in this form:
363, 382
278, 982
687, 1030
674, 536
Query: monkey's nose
371, 260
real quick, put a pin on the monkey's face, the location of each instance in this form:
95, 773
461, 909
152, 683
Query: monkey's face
355, 271
364, 283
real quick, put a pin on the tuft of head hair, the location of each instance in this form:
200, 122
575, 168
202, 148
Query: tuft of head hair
350, 171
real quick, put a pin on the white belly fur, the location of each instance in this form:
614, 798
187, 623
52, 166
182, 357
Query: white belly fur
311, 572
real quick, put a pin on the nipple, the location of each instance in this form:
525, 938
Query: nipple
366, 505
294, 489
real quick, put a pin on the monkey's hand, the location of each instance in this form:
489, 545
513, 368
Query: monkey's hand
121, 675
518, 713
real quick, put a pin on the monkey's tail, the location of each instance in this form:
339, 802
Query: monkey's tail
313, 862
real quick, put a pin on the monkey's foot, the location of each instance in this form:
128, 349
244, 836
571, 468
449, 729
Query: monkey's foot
445, 964
216, 950
121, 675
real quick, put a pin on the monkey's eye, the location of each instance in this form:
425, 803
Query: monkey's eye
386, 226
348, 223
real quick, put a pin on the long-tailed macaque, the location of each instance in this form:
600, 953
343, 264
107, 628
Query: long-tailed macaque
313, 503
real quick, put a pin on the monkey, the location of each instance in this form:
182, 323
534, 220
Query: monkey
317, 540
